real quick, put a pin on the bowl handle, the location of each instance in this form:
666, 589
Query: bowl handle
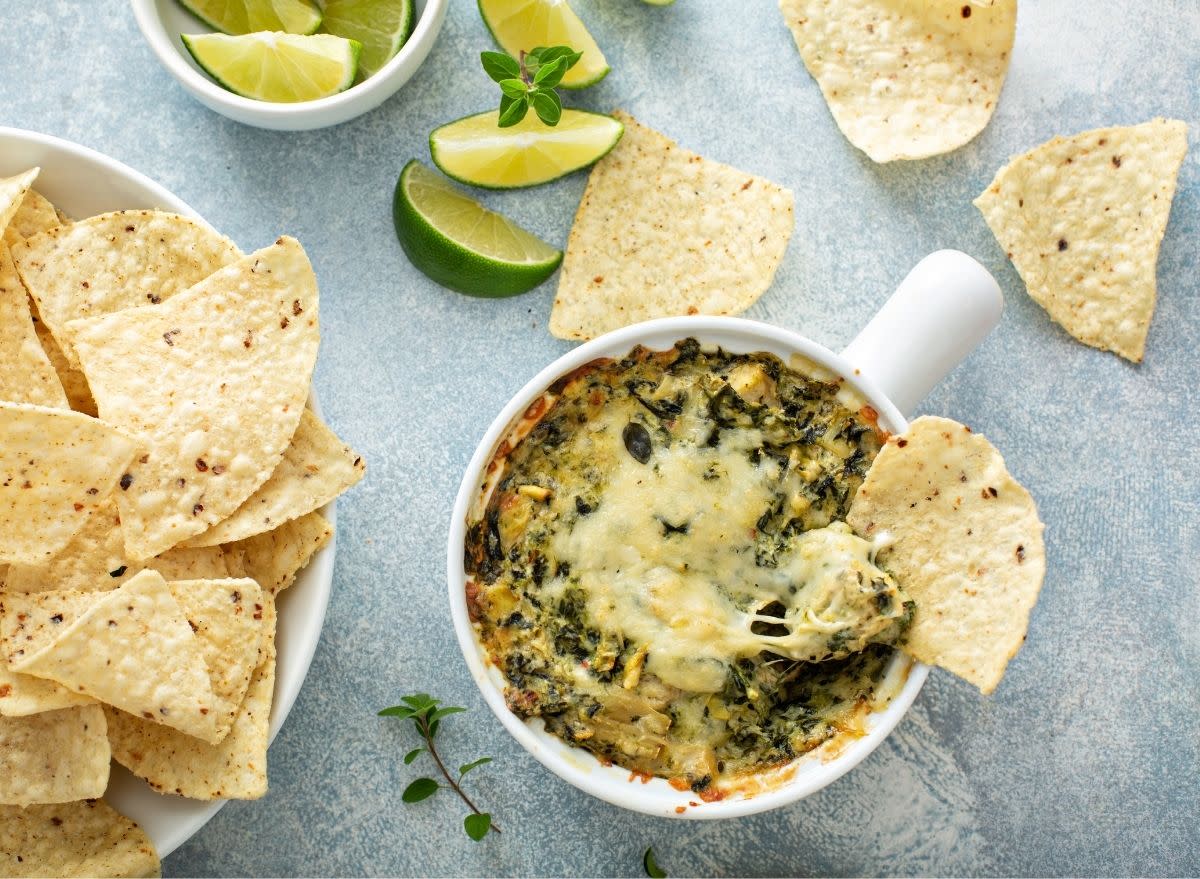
938, 315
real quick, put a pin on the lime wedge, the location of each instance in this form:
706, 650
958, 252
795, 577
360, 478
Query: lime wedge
247, 16
474, 150
284, 68
382, 26
462, 245
522, 25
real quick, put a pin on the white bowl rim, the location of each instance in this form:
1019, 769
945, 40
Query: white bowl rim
429, 20
813, 770
314, 582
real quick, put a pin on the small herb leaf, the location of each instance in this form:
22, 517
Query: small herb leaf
401, 711
653, 870
550, 74
467, 767
500, 66
546, 56
513, 88
477, 826
413, 755
421, 789
547, 105
514, 112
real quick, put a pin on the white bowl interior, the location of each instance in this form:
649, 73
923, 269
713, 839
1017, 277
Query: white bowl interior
613, 784
82, 182
162, 21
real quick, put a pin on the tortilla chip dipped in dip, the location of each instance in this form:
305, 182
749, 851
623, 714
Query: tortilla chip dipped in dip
906, 79
964, 540
662, 231
1082, 219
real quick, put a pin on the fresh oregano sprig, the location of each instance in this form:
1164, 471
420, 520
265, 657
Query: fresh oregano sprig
426, 713
530, 81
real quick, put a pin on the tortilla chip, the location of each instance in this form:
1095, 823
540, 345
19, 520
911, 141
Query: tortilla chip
34, 214
56, 468
316, 468
116, 261
966, 545
79, 395
23, 695
131, 647
213, 381
173, 763
12, 193
906, 79
273, 559
26, 375
54, 757
1082, 219
663, 231
81, 839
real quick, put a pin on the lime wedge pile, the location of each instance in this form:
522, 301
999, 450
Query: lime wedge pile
270, 66
462, 245
247, 16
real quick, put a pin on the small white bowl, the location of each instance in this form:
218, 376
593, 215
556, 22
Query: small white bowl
936, 317
162, 21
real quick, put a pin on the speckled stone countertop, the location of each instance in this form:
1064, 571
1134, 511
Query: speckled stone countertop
1087, 758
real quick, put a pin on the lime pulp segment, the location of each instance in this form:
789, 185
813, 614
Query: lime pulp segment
459, 243
474, 150
247, 16
381, 26
278, 67
521, 25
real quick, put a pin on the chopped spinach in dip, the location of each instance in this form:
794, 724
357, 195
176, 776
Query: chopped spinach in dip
660, 567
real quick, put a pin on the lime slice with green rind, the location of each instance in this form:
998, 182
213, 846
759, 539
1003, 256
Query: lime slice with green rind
277, 67
382, 26
247, 16
476, 151
462, 245
522, 25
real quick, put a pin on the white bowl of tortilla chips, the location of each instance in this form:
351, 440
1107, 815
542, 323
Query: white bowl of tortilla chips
155, 248
965, 538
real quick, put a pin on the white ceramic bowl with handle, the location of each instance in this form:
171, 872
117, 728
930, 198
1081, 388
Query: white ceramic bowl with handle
81, 183
162, 21
939, 314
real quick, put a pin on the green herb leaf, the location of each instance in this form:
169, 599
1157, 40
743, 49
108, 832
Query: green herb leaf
550, 75
546, 56
547, 105
513, 88
514, 112
401, 711
467, 767
653, 870
500, 66
413, 755
477, 826
419, 701
421, 789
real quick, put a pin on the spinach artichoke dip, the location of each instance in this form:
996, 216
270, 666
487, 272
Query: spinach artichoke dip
659, 565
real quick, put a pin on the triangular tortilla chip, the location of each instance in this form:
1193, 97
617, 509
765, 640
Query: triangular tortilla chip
115, 261
79, 395
1082, 219
12, 193
95, 561
273, 559
227, 617
26, 375
23, 695
213, 381
173, 763
56, 468
316, 468
663, 231
82, 839
965, 544
132, 648
54, 757
906, 79
34, 214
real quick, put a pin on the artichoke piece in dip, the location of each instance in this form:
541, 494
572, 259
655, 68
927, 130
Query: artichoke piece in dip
660, 567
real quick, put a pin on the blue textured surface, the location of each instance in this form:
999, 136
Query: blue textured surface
1087, 759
